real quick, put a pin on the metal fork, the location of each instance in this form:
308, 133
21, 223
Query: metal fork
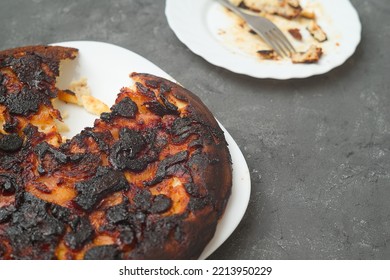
267, 30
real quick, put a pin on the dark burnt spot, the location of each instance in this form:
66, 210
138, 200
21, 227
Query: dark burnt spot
117, 213
105, 252
11, 125
156, 108
125, 108
152, 84
8, 184
164, 165
126, 235
32, 231
143, 199
171, 108
60, 213
192, 189
164, 88
92, 191
157, 232
99, 137
25, 102
81, 233
161, 109
197, 143
6, 213
10, 142
105, 116
43, 149
182, 128
144, 90
196, 203
161, 203
123, 155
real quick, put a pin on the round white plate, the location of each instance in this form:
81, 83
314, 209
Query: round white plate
107, 68
198, 23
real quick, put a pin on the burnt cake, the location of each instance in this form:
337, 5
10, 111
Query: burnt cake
149, 180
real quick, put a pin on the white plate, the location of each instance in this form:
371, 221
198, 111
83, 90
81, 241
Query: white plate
198, 23
107, 68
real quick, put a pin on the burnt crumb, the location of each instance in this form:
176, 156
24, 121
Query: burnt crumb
164, 165
251, 31
91, 191
296, 33
82, 232
33, 228
10, 142
104, 252
125, 108
123, 155
268, 54
161, 203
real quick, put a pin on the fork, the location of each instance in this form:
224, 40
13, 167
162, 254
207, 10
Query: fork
267, 30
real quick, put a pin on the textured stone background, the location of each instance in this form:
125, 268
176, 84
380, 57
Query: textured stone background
318, 149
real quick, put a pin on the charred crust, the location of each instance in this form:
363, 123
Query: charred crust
144, 90
92, 191
125, 108
117, 214
124, 153
161, 203
11, 142
163, 166
8, 184
33, 232
81, 232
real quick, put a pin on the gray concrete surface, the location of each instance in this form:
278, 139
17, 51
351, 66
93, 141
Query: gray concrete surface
318, 149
